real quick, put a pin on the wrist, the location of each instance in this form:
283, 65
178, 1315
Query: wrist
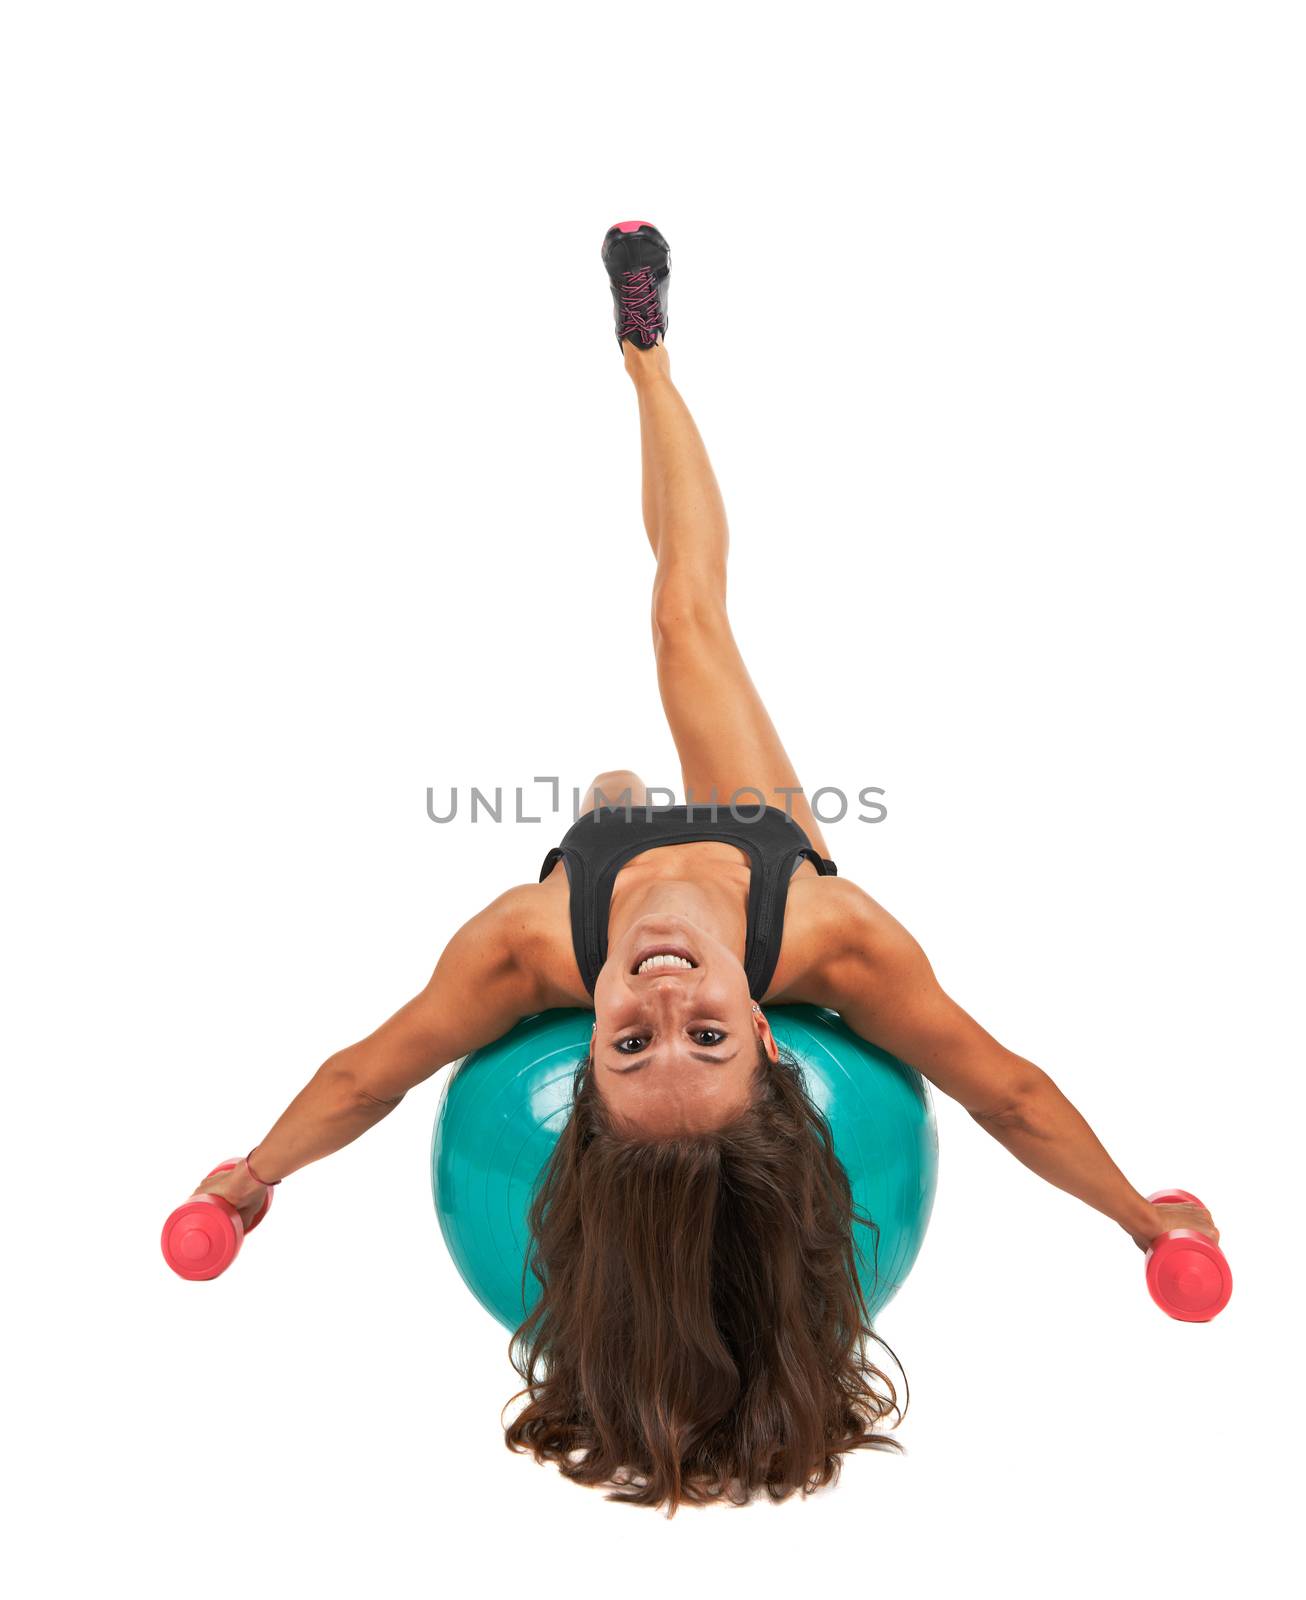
1144, 1223
259, 1171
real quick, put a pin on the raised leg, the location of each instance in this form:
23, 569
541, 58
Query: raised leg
724, 737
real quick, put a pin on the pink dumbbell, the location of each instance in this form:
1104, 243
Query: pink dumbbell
203, 1236
1186, 1272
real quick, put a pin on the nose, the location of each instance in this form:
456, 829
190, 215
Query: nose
665, 989
665, 994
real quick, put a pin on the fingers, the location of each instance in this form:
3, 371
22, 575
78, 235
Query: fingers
1197, 1218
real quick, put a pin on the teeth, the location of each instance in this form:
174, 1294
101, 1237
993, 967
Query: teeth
652, 963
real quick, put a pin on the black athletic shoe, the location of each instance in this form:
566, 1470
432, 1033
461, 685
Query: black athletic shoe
638, 260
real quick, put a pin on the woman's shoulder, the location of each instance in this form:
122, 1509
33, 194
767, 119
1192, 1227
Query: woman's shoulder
532, 923
825, 918
826, 902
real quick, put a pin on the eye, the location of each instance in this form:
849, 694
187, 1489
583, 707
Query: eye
631, 1046
708, 1036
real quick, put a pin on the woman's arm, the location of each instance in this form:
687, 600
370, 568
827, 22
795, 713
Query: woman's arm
483, 984
879, 980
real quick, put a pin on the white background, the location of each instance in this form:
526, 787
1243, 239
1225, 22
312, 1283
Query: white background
321, 487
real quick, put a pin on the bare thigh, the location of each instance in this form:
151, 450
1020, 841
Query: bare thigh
724, 735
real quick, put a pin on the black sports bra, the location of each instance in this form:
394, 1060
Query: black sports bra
596, 847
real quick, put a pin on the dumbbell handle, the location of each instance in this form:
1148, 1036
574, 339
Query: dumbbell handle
1187, 1273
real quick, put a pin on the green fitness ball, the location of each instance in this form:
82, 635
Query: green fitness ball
504, 1107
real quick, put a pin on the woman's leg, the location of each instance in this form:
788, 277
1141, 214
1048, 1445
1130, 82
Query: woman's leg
621, 788
724, 737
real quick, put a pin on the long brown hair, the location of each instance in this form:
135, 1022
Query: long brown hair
700, 1333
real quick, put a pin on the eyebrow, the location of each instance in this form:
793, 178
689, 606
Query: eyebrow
696, 1055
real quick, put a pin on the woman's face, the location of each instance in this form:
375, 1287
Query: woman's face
675, 1030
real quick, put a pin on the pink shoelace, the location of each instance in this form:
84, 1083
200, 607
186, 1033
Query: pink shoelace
640, 312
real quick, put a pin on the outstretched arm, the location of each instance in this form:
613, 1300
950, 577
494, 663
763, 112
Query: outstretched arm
879, 980
483, 984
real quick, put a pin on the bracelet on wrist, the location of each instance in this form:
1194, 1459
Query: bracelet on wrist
254, 1175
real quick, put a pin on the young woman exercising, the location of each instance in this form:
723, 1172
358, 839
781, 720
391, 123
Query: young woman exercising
700, 1333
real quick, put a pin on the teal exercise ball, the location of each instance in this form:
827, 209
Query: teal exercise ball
504, 1107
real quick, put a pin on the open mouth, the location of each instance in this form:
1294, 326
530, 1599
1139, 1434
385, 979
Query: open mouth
663, 958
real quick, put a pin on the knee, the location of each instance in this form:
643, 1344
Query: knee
615, 787
687, 612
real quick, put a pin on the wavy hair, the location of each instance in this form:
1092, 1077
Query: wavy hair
701, 1332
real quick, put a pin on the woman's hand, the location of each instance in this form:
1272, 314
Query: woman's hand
1198, 1218
239, 1189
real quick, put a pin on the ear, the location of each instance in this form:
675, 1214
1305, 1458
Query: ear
766, 1036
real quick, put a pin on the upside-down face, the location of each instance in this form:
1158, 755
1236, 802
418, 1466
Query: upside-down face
676, 1033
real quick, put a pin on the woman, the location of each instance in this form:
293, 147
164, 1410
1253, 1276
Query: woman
700, 1333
